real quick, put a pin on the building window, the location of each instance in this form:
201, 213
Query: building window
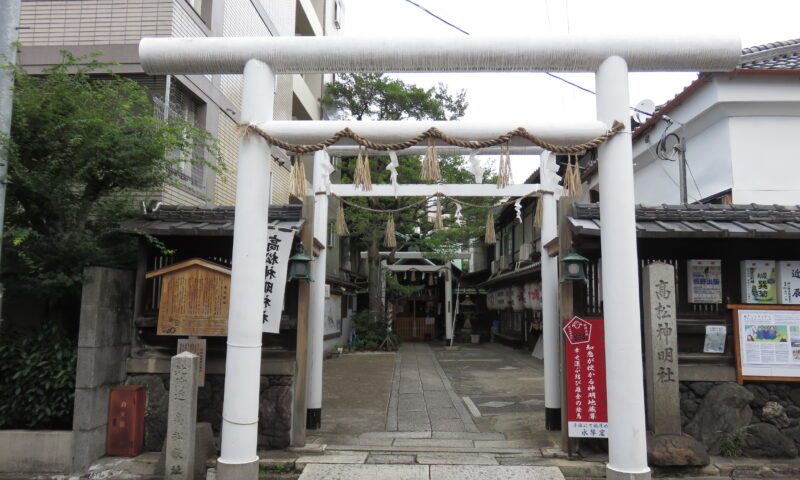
177, 104
332, 235
197, 5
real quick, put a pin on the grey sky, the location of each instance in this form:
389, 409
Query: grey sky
537, 96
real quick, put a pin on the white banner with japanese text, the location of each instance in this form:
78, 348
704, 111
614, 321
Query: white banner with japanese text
279, 247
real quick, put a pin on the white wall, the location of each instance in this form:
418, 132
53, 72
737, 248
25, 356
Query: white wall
739, 132
766, 160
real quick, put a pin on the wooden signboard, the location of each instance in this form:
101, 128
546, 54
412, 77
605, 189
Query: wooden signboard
767, 341
195, 298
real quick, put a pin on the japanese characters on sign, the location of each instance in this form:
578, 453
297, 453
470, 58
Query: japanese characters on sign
661, 348
279, 245
789, 282
705, 281
759, 281
587, 414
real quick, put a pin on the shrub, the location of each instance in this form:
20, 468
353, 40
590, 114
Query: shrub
371, 332
37, 380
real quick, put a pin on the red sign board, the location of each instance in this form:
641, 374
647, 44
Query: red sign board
586, 378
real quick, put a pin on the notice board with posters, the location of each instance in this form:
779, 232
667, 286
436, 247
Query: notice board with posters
587, 407
767, 340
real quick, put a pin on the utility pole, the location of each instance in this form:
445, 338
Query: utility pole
9, 22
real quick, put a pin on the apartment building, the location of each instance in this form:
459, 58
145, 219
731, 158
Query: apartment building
212, 102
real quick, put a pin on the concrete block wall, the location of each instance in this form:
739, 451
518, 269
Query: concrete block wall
104, 343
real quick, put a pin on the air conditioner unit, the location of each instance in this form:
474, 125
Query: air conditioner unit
525, 251
494, 267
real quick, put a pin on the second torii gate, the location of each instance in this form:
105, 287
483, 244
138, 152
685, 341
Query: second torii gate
610, 57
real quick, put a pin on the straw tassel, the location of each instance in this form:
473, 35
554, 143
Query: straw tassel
297, 178
389, 239
413, 275
367, 173
504, 178
537, 216
438, 222
430, 165
577, 184
362, 176
489, 238
341, 225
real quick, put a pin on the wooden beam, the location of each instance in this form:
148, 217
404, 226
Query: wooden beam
566, 311
418, 255
551, 247
418, 268
427, 190
299, 402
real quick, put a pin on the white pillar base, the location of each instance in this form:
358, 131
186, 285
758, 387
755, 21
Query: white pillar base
237, 471
612, 474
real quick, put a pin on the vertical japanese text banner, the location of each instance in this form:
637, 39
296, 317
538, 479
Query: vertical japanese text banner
279, 246
587, 414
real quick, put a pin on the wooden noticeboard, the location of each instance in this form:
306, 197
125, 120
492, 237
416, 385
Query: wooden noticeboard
767, 341
195, 299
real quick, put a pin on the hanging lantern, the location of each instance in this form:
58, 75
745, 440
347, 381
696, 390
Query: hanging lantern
574, 267
299, 265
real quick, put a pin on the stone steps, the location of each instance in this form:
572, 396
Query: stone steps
426, 472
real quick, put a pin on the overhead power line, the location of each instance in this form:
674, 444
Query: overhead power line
437, 17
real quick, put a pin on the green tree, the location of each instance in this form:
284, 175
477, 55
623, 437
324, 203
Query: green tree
378, 97
82, 142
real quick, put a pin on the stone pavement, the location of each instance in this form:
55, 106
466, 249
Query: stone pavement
430, 429
422, 397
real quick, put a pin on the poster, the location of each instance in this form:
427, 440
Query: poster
789, 282
333, 315
279, 245
587, 414
715, 339
769, 342
705, 281
758, 281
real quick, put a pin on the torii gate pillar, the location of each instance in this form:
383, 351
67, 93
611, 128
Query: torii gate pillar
238, 458
627, 448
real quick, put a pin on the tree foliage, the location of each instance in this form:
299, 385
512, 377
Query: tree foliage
81, 144
378, 97
37, 380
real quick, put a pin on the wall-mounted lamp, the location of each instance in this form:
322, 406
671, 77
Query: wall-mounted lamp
574, 267
299, 264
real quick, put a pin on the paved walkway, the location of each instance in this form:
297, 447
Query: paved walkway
430, 428
422, 397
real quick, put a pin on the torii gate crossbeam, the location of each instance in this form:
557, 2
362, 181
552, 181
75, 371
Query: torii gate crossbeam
610, 56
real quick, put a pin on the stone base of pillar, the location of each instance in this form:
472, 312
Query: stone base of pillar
552, 419
237, 471
612, 474
313, 418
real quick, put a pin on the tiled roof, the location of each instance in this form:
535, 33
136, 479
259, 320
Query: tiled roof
205, 221
784, 55
709, 221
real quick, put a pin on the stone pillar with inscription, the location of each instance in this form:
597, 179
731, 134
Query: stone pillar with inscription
181, 423
661, 348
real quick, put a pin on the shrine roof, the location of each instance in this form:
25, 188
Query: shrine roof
698, 221
205, 221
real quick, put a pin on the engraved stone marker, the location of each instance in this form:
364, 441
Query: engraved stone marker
181, 423
661, 348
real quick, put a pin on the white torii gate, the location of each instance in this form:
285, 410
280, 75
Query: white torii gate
610, 56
